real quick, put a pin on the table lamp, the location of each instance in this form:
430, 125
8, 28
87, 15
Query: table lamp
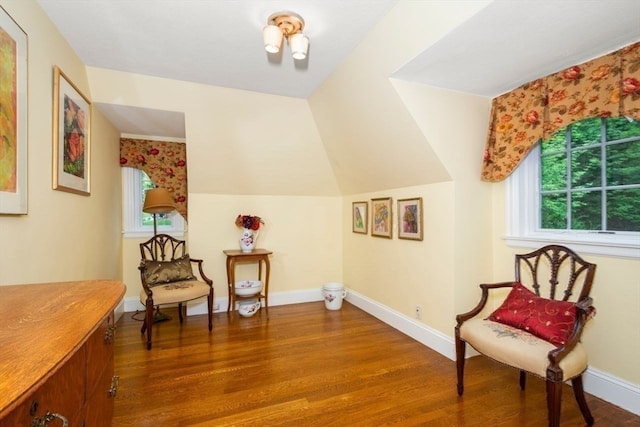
157, 200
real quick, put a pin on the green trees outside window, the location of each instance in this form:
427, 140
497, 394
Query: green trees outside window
590, 176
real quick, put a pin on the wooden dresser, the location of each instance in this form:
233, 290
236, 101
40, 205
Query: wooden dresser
56, 353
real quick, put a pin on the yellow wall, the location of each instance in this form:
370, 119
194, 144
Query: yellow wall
357, 138
64, 236
241, 162
304, 233
403, 274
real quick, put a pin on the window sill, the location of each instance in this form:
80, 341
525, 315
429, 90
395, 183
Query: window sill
149, 234
589, 243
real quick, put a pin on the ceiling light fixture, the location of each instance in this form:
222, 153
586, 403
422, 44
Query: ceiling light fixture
287, 25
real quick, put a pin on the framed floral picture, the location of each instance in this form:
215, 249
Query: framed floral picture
71, 137
410, 219
360, 217
381, 217
13, 116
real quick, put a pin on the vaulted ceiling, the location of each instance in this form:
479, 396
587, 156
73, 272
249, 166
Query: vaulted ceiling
219, 43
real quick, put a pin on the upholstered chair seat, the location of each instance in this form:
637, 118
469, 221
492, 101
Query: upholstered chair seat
185, 290
519, 349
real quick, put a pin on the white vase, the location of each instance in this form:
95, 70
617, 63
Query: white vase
248, 240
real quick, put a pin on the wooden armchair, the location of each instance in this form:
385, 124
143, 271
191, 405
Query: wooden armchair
537, 335
168, 278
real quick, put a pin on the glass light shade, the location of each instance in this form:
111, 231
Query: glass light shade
272, 37
158, 200
299, 45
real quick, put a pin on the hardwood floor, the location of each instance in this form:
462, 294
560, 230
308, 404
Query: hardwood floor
307, 366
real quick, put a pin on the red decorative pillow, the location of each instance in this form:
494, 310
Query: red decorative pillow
547, 319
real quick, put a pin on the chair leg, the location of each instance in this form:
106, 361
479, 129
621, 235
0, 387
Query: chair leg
180, 312
554, 396
210, 307
578, 392
523, 380
149, 322
460, 353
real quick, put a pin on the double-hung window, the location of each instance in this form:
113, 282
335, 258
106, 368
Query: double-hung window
140, 224
581, 187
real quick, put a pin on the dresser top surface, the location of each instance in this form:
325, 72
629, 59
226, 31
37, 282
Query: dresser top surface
42, 325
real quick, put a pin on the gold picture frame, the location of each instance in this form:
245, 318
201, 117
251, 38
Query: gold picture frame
13, 116
382, 217
71, 137
360, 217
410, 219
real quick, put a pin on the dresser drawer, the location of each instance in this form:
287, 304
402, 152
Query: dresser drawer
99, 351
63, 393
99, 408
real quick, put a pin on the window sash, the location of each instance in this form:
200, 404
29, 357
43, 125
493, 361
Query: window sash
522, 204
132, 202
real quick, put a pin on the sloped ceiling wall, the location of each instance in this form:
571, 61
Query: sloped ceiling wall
353, 135
371, 140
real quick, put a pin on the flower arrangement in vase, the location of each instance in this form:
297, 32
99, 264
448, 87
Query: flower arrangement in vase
250, 225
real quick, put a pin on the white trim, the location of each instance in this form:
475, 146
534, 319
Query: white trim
522, 216
132, 209
133, 304
597, 383
420, 332
613, 390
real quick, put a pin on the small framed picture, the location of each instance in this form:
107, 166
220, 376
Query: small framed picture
71, 137
360, 217
381, 217
410, 219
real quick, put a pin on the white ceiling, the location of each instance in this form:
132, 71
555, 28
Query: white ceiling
216, 42
219, 42
509, 43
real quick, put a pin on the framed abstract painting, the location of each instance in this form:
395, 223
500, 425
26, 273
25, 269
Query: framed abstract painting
13, 116
71, 137
381, 217
360, 217
410, 219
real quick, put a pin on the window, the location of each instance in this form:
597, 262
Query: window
582, 188
140, 224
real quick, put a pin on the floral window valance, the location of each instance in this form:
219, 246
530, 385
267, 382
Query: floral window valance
164, 162
608, 86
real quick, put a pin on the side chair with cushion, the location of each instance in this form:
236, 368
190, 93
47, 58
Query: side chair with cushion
168, 278
535, 334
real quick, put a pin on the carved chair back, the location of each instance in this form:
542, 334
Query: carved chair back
557, 270
162, 247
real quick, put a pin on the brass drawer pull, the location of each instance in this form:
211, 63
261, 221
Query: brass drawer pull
113, 390
109, 334
47, 418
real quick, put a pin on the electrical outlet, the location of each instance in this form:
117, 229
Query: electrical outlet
418, 312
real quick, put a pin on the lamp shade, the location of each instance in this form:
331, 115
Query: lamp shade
272, 38
299, 45
158, 200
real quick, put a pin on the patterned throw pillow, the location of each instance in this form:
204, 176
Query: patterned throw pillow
545, 318
161, 272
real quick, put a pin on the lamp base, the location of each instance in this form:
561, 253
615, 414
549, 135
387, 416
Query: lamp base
160, 317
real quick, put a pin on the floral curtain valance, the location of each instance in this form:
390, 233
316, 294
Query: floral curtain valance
164, 162
608, 86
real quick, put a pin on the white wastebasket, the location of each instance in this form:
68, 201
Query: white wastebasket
333, 294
